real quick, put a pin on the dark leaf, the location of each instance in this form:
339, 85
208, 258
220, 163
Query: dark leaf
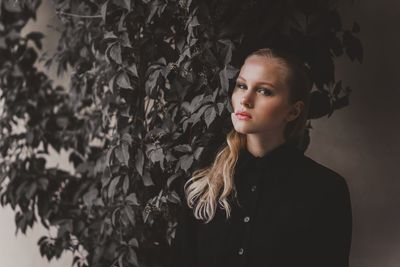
341, 102
185, 162
130, 214
132, 257
209, 115
36, 37
125, 185
112, 186
123, 81
353, 47
172, 178
114, 52
183, 148
132, 199
320, 105
123, 3
103, 10
147, 181
139, 162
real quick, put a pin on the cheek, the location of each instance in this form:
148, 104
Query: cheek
273, 110
235, 101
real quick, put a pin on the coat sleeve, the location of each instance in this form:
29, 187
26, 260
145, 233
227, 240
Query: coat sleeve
184, 244
334, 228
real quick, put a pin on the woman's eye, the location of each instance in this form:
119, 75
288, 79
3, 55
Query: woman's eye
266, 91
241, 86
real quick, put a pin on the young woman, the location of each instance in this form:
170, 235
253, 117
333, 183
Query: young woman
263, 202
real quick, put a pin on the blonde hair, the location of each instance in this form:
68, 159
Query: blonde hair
215, 183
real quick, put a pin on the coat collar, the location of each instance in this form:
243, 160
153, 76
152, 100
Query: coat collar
278, 161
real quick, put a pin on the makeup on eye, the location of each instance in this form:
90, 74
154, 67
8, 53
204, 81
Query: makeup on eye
266, 90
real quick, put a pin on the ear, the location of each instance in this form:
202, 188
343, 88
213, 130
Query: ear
295, 111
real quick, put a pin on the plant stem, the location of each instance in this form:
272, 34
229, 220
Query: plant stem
78, 16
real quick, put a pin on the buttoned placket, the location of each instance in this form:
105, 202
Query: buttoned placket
249, 211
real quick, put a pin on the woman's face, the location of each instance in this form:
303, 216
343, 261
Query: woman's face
262, 93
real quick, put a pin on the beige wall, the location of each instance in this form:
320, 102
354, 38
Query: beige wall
22, 250
362, 141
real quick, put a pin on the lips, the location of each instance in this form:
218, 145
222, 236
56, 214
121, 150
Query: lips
243, 115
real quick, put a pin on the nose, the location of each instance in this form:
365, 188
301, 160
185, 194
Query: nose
247, 99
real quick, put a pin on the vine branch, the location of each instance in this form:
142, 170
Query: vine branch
78, 16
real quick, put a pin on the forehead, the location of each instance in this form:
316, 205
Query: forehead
263, 69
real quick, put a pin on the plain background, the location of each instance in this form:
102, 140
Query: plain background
361, 142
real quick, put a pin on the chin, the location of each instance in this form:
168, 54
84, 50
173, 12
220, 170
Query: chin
243, 130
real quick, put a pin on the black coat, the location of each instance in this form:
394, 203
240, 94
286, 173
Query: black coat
290, 212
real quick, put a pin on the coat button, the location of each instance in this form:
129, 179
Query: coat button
246, 219
253, 188
241, 251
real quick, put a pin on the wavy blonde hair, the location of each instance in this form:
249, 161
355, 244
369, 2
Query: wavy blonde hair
214, 184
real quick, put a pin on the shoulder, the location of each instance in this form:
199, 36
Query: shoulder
315, 174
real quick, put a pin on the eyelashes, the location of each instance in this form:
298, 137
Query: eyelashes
265, 91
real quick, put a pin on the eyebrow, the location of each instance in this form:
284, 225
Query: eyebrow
263, 82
